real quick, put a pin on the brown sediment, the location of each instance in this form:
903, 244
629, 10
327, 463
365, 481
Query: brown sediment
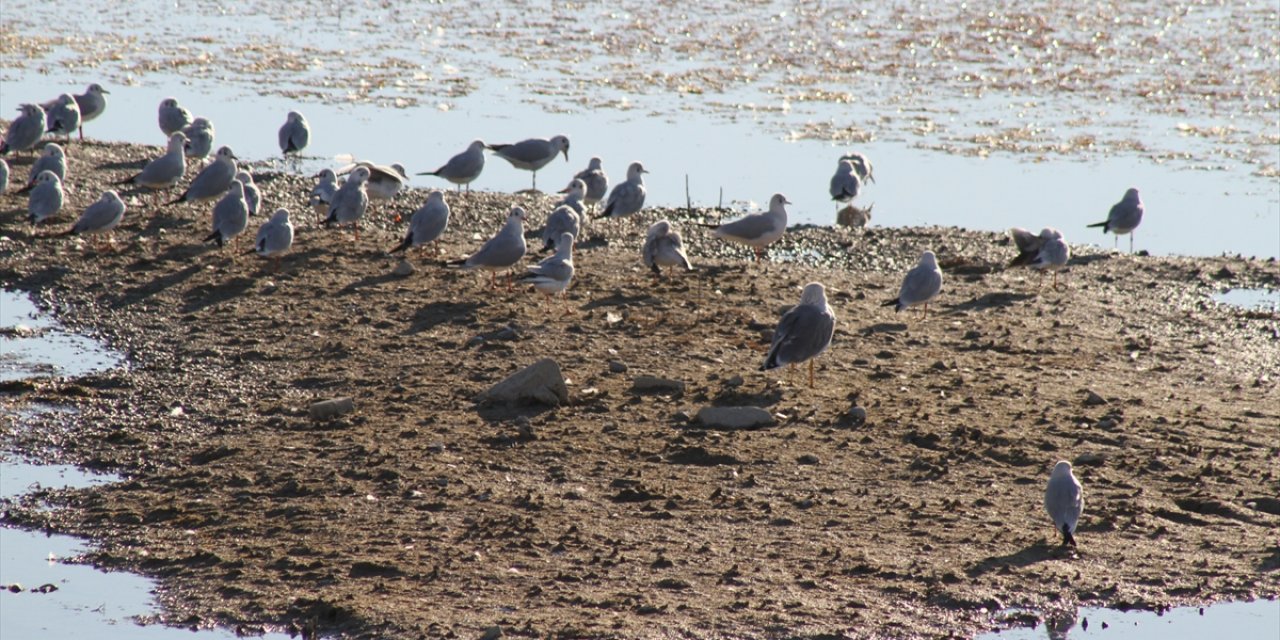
423, 514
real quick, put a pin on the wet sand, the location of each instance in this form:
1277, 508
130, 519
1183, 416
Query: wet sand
425, 514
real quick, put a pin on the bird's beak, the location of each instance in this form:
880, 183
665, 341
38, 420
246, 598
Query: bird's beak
786, 201
103, 91
566, 154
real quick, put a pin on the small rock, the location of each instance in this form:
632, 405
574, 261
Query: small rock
645, 384
1090, 459
326, 409
808, 458
403, 269
617, 367
734, 382
858, 414
1093, 399
15, 588
492, 633
541, 382
1107, 424
972, 334
734, 417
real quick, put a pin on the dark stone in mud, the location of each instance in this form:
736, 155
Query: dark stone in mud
734, 417
652, 384
540, 382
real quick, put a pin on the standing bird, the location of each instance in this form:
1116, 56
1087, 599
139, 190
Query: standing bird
532, 154
563, 219
63, 118
1064, 500
25, 130
322, 194
213, 180
757, 230
1125, 216
165, 171
200, 135
573, 197
921, 284
93, 102
462, 168
294, 134
52, 159
553, 274
384, 181
596, 180
427, 223
172, 117
102, 216
252, 195
275, 237
845, 184
1047, 251
804, 332
627, 197
350, 201
4, 175
861, 166
230, 215
45, 200
501, 252
663, 248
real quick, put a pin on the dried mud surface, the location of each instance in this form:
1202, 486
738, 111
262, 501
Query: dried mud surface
423, 514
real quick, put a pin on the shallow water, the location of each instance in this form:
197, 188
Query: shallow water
1250, 298
35, 345
427, 80
1257, 620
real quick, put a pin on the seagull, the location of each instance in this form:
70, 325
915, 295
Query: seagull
165, 171
500, 252
596, 180
462, 168
1125, 216
662, 248
845, 184
1047, 251
627, 197
92, 103
294, 134
45, 200
172, 117
51, 158
25, 130
384, 181
804, 331
351, 200
427, 223
100, 217
553, 274
64, 117
275, 237
573, 198
757, 230
322, 193
213, 180
200, 136
861, 166
921, 284
1064, 500
230, 215
563, 219
252, 195
532, 154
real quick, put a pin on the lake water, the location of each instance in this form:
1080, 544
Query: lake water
1257, 620
743, 100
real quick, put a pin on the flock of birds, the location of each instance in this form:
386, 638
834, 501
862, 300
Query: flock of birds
804, 332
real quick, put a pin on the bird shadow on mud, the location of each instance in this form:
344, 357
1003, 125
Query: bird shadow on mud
208, 295
884, 327
616, 300
1084, 261
1032, 554
435, 314
992, 300
157, 285
368, 281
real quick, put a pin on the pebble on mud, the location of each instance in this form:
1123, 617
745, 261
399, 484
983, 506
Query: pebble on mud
541, 382
647, 384
858, 415
734, 417
333, 408
1090, 460
616, 366
1093, 399
403, 269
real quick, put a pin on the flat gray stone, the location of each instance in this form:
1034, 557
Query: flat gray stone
651, 384
734, 417
541, 382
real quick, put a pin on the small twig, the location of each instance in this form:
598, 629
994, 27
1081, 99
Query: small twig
688, 202
720, 203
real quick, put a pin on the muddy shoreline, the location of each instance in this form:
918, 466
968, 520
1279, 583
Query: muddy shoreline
423, 514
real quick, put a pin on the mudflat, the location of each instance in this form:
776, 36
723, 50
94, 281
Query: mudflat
617, 513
